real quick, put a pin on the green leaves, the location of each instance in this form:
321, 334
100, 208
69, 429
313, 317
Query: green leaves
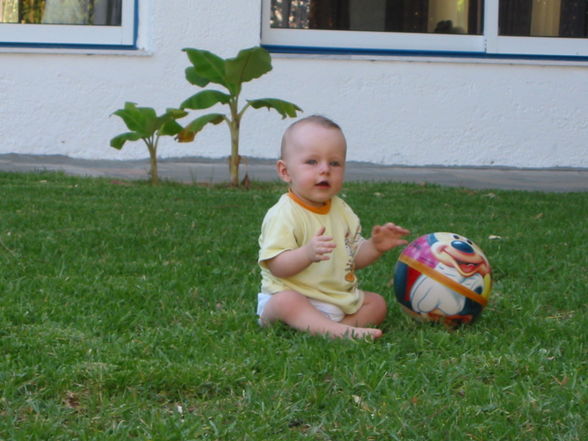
284, 108
138, 119
205, 99
248, 65
118, 141
230, 73
206, 68
190, 131
144, 123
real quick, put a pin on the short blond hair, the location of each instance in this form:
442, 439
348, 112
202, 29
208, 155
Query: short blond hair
319, 120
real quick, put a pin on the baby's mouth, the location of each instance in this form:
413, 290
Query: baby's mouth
323, 184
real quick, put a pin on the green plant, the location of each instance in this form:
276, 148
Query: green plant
146, 125
230, 73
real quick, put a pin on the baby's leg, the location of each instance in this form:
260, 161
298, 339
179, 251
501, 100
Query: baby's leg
295, 310
372, 312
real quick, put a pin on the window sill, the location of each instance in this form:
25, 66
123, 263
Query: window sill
75, 50
423, 57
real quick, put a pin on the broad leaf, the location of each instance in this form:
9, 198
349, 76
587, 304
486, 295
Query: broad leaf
194, 78
118, 141
169, 117
207, 66
205, 99
175, 113
190, 131
138, 119
247, 65
170, 128
284, 108
144, 122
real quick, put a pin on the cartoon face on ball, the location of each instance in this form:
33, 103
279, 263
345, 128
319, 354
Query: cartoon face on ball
460, 253
443, 276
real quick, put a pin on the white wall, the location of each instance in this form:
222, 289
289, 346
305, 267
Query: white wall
393, 111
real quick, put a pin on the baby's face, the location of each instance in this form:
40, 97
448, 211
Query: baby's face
314, 163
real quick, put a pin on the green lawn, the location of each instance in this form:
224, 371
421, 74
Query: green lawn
127, 312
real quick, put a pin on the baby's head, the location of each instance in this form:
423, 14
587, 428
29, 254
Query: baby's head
313, 159
290, 138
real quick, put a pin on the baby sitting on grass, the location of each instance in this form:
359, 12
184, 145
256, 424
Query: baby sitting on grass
311, 244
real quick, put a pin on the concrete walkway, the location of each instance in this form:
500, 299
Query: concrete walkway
202, 170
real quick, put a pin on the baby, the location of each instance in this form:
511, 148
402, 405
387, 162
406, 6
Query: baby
310, 242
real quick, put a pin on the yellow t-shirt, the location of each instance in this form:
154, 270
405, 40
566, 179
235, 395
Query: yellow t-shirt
288, 225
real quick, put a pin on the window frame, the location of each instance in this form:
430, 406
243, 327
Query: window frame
75, 36
487, 45
528, 46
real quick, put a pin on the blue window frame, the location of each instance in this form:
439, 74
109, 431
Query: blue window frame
69, 23
484, 28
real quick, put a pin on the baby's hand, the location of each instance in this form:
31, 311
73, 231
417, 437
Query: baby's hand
320, 246
388, 236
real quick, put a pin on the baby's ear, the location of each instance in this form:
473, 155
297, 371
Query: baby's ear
283, 171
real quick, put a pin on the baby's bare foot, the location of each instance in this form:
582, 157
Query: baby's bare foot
359, 333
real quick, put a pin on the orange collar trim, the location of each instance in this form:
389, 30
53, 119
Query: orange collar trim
318, 210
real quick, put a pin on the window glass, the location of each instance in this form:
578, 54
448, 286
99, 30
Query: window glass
65, 23
544, 18
535, 28
420, 16
81, 12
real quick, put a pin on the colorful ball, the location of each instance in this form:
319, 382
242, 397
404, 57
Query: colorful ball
443, 277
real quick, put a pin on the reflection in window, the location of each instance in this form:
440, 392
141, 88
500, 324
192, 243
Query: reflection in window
421, 16
81, 12
544, 18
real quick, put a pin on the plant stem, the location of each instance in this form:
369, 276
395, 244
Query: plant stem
234, 126
235, 158
152, 147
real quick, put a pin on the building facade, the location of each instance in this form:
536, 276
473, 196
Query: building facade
428, 86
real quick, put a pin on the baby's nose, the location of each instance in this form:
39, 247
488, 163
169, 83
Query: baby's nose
324, 167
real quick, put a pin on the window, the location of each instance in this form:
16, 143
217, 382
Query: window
68, 23
469, 27
539, 27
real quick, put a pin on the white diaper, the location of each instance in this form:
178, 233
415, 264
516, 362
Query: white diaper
333, 312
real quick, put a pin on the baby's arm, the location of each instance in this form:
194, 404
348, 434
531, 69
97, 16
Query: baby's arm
384, 238
291, 262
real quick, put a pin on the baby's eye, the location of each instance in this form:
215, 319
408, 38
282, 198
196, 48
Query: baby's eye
311, 161
335, 164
